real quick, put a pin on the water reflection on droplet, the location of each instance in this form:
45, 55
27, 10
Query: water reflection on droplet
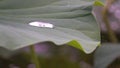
41, 24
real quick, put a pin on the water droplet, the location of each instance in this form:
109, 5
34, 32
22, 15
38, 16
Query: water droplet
41, 24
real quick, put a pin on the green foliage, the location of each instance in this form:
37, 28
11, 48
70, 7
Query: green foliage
72, 20
98, 3
106, 54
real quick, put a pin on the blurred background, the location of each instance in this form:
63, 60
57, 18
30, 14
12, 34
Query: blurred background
53, 56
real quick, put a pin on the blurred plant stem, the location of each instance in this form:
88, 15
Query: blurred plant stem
111, 34
34, 56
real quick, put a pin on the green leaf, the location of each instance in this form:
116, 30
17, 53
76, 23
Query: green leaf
98, 3
72, 20
106, 54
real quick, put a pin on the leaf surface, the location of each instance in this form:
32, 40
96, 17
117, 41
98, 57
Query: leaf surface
73, 23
